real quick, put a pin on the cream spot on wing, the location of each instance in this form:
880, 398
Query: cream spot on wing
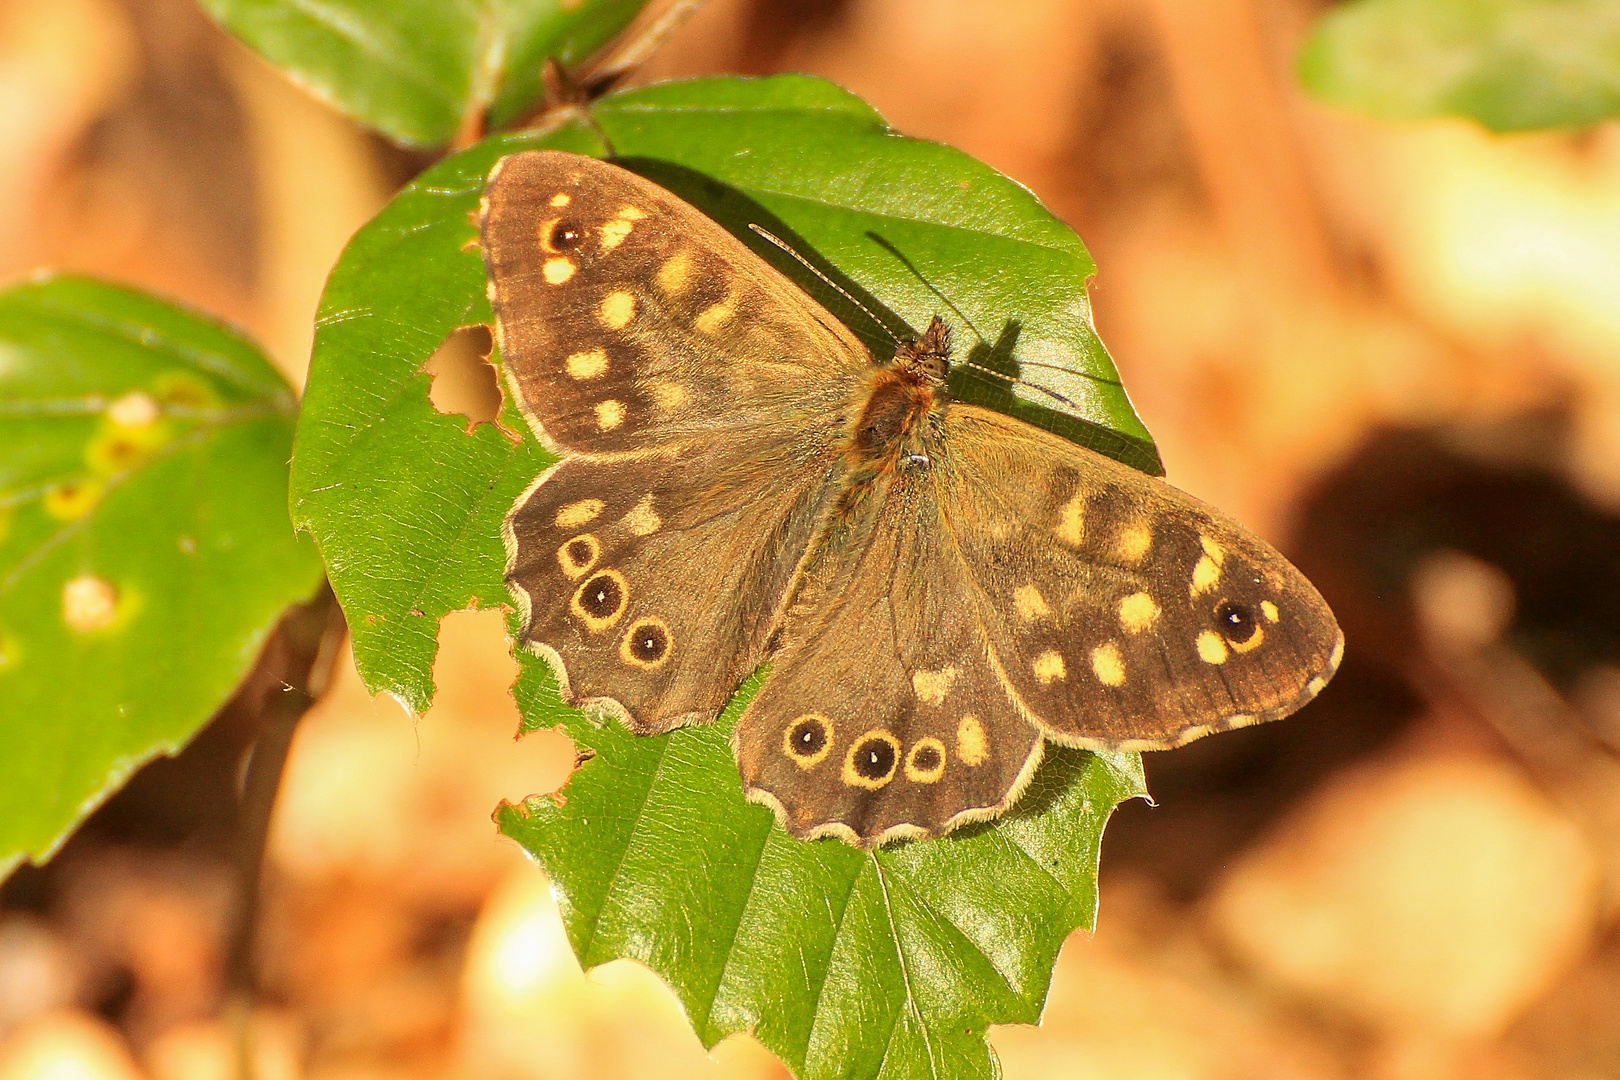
1048, 667
1269, 610
717, 316
1205, 575
1316, 684
89, 603
609, 414
631, 213
932, 686
1107, 664
562, 198
1338, 653
1137, 612
676, 272
614, 232
971, 745
1211, 649
1071, 523
1212, 549
669, 395
579, 513
617, 309
557, 270
643, 520
1029, 602
586, 365
1135, 541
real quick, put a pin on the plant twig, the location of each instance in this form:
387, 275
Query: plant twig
293, 672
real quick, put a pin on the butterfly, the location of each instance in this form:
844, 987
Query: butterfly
939, 588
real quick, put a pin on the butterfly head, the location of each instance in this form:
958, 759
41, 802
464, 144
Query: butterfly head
928, 358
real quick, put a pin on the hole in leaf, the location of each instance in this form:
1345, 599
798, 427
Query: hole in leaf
464, 382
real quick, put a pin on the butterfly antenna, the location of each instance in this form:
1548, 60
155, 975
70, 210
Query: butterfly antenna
804, 262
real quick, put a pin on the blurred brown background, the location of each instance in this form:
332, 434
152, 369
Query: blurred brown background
1394, 350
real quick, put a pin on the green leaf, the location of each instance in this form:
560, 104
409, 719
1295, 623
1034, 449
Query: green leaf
145, 550
844, 963
416, 69
1512, 65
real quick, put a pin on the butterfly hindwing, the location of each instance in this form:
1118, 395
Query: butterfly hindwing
883, 716
1124, 613
652, 580
627, 319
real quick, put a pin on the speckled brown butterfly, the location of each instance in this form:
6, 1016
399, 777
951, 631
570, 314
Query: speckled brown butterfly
939, 588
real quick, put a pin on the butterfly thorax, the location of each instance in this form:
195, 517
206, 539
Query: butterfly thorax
900, 408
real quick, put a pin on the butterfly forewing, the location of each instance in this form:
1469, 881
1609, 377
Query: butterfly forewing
1124, 614
627, 319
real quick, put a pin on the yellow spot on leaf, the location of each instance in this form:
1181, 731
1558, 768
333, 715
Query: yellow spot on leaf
1049, 667
617, 309
586, 365
609, 414
1071, 523
643, 520
1107, 664
1029, 602
579, 513
932, 686
89, 603
557, 270
72, 500
1137, 612
971, 745
1211, 649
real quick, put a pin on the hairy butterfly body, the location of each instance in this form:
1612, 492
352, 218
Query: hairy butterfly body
939, 588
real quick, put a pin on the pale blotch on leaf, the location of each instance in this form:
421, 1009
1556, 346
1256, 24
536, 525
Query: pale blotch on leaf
464, 382
134, 411
89, 603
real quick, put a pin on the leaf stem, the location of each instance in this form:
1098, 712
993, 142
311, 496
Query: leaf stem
293, 672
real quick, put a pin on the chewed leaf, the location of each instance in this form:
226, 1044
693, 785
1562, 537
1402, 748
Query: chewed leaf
145, 550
